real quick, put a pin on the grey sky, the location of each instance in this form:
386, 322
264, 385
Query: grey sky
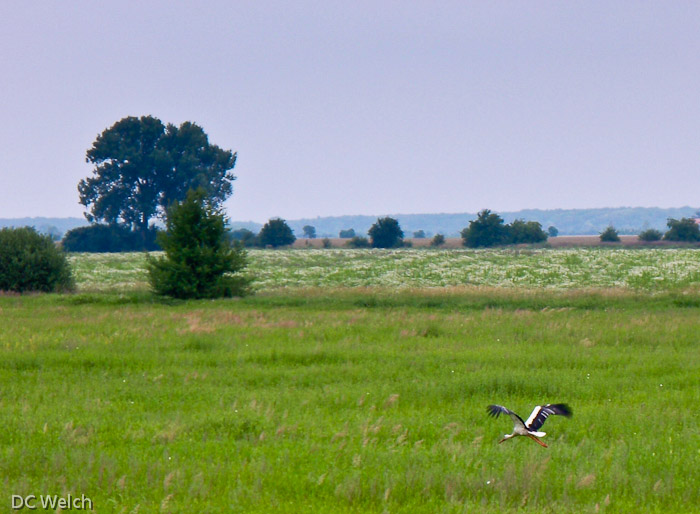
364, 107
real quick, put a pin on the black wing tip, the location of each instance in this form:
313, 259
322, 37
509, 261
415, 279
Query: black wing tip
494, 410
562, 409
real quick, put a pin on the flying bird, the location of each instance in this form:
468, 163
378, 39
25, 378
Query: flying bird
534, 422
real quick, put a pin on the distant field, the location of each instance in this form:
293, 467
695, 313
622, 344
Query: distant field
555, 242
355, 382
649, 269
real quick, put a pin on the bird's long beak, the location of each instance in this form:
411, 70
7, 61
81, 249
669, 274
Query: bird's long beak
537, 440
499, 442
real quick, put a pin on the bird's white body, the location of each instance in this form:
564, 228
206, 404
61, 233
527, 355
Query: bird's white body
518, 430
536, 420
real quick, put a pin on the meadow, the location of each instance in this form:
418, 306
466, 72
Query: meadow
651, 269
357, 381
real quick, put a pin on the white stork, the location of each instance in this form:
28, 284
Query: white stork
534, 422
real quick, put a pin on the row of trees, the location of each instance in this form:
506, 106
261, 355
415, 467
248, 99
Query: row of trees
685, 230
385, 233
487, 230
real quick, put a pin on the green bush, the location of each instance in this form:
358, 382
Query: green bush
650, 235
684, 229
100, 238
358, 242
199, 261
609, 235
438, 240
347, 233
30, 261
521, 231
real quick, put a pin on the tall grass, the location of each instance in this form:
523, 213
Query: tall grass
361, 401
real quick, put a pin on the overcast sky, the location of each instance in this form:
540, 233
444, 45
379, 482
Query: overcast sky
364, 107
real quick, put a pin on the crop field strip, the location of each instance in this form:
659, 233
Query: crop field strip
320, 396
556, 269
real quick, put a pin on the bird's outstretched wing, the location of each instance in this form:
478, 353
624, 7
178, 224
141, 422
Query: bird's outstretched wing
542, 412
497, 410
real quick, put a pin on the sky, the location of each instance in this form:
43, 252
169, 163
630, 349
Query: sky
364, 107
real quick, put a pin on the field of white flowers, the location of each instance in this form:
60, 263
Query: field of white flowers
572, 268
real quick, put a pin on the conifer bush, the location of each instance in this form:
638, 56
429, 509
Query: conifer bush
609, 235
30, 261
199, 261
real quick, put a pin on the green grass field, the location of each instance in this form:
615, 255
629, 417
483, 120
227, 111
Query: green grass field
314, 397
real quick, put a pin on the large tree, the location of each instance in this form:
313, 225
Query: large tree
143, 166
684, 229
487, 229
386, 233
276, 233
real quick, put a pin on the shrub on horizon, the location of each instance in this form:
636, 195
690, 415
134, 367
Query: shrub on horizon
358, 242
438, 240
609, 235
650, 235
684, 229
521, 231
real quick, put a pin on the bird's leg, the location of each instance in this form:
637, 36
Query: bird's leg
537, 440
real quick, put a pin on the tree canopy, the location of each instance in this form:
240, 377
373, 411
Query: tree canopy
386, 233
309, 231
684, 229
487, 229
526, 232
143, 166
276, 233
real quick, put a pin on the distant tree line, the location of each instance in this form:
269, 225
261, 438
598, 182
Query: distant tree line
685, 230
487, 230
